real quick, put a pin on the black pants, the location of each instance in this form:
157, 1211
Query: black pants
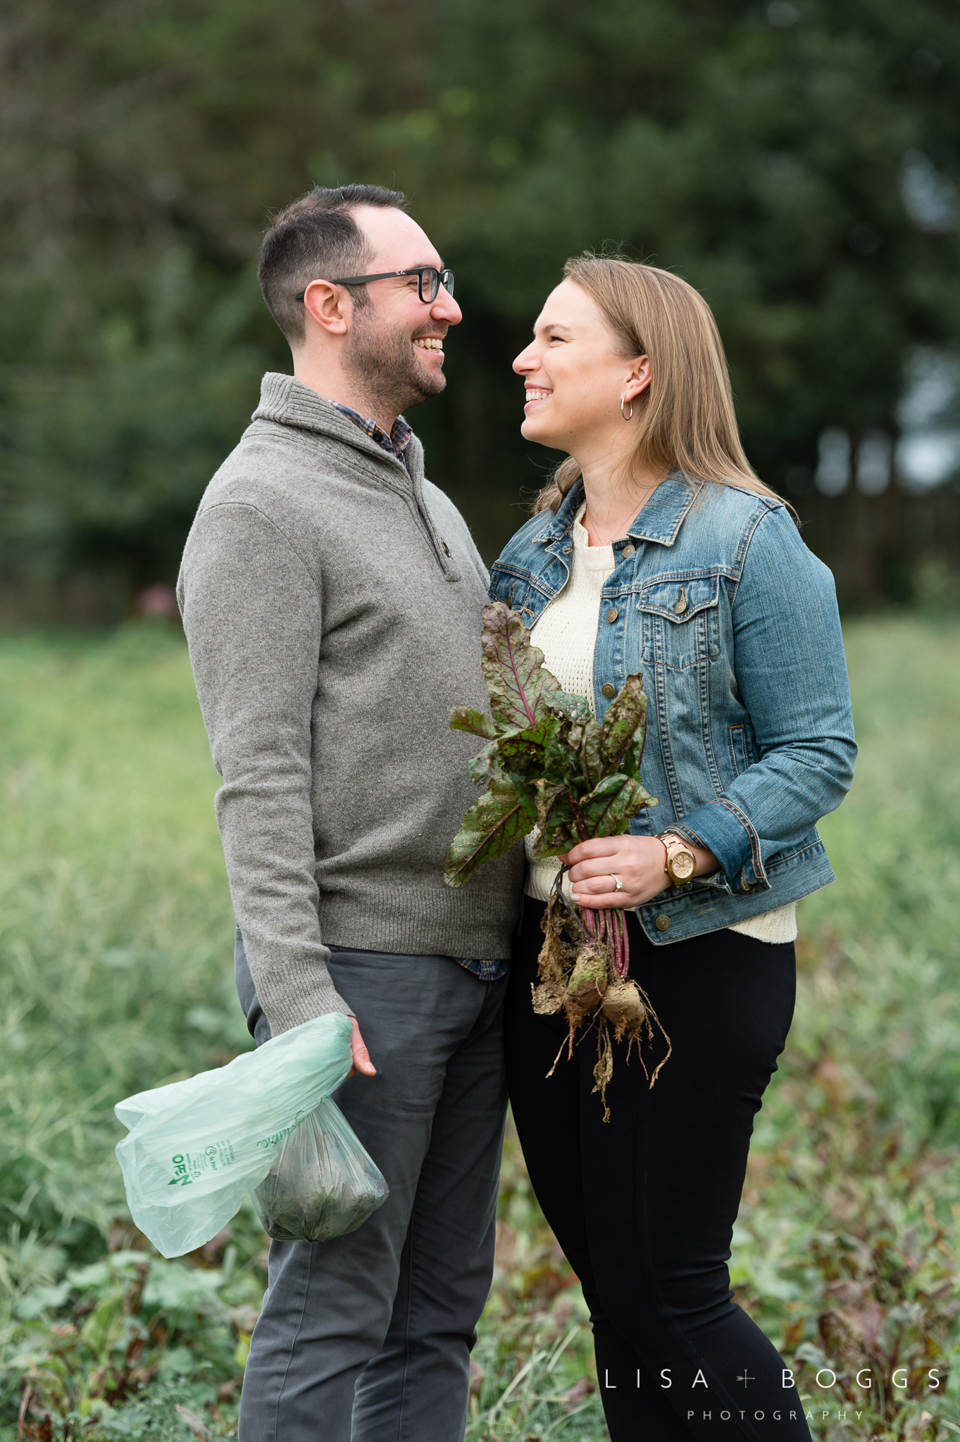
644, 1205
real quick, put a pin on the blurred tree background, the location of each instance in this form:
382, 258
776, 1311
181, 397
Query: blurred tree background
797, 161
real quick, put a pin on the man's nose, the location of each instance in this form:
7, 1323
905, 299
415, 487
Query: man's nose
445, 308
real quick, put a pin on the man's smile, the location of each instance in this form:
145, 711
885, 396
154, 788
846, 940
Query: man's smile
432, 343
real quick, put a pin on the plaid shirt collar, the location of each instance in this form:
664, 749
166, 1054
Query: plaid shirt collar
395, 444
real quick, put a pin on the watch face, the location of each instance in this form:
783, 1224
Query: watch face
682, 866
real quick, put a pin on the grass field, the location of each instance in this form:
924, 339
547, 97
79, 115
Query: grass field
116, 950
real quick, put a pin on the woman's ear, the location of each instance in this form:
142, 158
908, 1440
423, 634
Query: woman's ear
637, 379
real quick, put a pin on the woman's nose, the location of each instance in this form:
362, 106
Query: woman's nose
525, 362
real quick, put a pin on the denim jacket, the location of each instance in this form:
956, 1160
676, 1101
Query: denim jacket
733, 624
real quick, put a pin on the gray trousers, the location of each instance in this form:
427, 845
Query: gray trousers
367, 1338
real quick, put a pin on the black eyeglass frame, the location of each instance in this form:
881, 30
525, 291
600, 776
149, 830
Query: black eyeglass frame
443, 278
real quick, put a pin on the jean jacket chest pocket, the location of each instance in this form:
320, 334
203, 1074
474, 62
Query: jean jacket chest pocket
680, 621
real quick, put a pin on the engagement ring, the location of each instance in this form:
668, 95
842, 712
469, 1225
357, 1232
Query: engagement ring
618, 881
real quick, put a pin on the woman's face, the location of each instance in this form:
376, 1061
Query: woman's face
573, 377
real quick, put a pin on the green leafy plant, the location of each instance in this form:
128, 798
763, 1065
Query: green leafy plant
548, 764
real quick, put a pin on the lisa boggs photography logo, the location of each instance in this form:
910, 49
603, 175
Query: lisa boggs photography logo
838, 1404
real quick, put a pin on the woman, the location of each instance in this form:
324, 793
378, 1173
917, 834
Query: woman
657, 550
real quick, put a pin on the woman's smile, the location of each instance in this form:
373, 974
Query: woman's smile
535, 395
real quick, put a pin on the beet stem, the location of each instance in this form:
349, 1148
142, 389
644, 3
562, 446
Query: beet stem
622, 951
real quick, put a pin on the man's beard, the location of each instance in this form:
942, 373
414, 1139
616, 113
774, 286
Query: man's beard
386, 366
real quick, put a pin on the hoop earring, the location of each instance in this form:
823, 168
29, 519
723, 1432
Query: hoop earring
626, 417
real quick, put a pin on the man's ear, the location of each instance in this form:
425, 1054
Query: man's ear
638, 378
328, 306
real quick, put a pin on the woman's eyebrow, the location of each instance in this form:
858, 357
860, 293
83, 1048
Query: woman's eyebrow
554, 325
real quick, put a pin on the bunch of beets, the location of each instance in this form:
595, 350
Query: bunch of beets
548, 764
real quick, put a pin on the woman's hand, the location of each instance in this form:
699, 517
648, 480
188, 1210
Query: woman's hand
639, 862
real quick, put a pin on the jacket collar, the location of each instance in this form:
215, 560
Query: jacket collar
660, 520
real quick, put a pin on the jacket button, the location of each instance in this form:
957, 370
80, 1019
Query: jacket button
628, 551
612, 614
662, 923
607, 690
681, 605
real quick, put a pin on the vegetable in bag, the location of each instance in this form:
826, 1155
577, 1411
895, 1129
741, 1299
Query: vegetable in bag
322, 1182
197, 1147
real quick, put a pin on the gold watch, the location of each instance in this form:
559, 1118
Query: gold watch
680, 864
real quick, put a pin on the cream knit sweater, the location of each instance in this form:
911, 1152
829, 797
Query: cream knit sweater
566, 633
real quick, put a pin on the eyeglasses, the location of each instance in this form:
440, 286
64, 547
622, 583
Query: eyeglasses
429, 281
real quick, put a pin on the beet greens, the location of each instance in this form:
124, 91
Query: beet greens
548, 764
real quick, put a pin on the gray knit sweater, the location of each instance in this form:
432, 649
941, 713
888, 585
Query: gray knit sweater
331, 600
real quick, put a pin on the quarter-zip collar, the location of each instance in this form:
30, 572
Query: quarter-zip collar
288, 402
659, 520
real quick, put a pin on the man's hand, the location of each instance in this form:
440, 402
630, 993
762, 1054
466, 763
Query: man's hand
637, 860
361, 1057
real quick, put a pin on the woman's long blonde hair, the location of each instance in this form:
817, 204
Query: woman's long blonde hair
687, 421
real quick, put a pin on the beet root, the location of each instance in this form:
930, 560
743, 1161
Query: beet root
586, 985
623, 1007
588, 979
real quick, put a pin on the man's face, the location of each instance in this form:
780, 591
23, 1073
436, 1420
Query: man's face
395, 344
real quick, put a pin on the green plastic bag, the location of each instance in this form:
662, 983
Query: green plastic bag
197, 1147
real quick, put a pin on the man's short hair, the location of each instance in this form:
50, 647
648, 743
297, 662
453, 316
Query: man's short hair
317, 238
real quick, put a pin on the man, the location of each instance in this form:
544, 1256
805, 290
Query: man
331, 598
